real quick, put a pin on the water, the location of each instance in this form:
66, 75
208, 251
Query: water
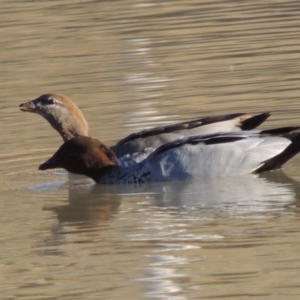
131, 65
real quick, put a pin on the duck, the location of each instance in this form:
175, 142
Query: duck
68, 120
201, 156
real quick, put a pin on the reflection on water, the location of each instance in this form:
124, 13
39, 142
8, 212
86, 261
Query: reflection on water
131, 64
185, 219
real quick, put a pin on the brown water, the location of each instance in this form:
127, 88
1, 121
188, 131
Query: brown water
131, 65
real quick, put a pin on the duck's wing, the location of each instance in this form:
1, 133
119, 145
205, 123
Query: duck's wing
155, 137
130, 160
219, 155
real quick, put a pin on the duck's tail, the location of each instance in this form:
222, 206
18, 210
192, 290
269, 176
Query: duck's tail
255, 121
276, 162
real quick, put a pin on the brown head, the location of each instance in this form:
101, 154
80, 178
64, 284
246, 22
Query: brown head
81, 155
61, 112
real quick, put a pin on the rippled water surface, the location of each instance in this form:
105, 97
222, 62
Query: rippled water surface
131, 65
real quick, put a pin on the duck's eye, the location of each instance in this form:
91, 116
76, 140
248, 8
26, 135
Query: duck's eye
51, 101
48, 101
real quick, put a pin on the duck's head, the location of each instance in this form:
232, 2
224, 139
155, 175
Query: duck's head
81, 155
61, 112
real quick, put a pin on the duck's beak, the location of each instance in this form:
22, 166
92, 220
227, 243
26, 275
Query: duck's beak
28, 106
49, 164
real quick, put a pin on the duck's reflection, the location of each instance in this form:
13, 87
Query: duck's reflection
87, 205
88, 210
95, 203
240, 194
91, 207
282, 179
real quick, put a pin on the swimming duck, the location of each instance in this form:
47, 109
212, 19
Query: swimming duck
201, 156
67, 119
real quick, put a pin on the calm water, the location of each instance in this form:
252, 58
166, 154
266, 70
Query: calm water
130, 65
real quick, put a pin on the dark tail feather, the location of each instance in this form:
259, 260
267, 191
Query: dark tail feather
279, 160
283, 131
255, 121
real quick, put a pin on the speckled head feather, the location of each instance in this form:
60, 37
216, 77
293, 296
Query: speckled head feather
61, 112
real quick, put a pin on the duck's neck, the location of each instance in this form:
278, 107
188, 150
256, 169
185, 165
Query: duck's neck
68, 126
